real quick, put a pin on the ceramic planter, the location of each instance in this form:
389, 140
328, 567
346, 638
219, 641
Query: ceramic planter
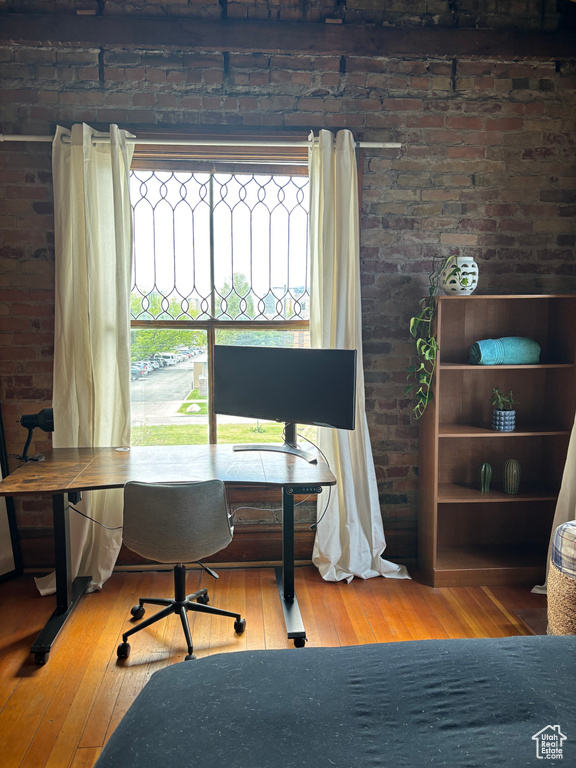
464, 281
503, 421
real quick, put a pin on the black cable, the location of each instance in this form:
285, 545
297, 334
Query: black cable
317, 448
315, 525
108, 528
321, 452
279, 509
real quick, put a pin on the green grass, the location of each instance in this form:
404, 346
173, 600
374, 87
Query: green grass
194, 397
197, 434
203, 408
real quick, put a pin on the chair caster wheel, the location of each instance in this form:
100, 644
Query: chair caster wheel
239, 626
137, 611
203, 599
40, 658
123, 651
299, 642
189, 657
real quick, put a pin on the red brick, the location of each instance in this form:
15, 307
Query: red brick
515, 225
484, 138
212, 76
291, 62
484, 83
402, 105
301, 78
464, 123
87, 73
143, 99
467, 153
134, 75
504, 124
258, 78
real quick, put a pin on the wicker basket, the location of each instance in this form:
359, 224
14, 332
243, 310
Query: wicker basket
562, 582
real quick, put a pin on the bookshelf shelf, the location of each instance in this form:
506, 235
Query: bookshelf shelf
467, 537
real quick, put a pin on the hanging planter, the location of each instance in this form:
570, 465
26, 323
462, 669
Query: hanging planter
455, 275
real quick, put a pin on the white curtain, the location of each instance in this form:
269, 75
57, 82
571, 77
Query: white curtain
91, 401
566, 504
350, 538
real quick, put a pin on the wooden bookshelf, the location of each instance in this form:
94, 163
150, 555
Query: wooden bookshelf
471, 538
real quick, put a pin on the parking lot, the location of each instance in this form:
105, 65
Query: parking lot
157, 396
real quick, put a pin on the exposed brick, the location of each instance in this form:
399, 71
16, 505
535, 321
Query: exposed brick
402, 105
485, 170
505, 124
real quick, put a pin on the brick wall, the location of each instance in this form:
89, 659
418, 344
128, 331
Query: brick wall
518, 14
487, 170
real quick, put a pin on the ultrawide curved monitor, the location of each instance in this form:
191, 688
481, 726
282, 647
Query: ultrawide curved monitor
293, 385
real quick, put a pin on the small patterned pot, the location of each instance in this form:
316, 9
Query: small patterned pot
504, 421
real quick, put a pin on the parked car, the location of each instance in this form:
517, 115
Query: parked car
137, 372
146, 365
170, 357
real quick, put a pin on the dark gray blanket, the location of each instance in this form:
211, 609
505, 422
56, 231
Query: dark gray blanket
469, 703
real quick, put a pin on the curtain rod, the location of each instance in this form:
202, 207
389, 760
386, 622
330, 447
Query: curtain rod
207, 142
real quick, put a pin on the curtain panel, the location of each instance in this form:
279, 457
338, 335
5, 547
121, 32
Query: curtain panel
350, 537
91, 401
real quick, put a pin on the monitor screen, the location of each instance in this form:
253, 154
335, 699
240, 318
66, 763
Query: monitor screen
301, 386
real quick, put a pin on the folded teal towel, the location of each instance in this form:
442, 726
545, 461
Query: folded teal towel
509, 350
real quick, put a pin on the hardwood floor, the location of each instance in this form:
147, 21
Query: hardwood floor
61, 714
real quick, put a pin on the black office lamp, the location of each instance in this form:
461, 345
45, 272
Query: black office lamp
45, 420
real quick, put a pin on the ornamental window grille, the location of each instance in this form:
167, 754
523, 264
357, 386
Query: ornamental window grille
220, 247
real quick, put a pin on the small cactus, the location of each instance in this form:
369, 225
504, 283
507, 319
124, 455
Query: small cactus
485, 477
511, 476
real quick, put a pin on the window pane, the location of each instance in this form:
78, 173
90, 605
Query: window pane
233, 429
169, 387
219, 246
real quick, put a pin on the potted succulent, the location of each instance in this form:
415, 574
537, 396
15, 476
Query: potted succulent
503, 415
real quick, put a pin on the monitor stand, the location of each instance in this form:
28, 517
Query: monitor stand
288, 446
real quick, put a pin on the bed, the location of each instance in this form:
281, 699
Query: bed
475, 702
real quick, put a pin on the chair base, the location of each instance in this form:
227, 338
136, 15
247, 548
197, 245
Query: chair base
180, 604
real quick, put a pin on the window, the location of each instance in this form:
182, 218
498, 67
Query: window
220, 257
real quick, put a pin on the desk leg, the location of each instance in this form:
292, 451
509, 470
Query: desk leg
68, 592
285, 575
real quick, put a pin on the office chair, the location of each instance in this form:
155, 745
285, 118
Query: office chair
176, 523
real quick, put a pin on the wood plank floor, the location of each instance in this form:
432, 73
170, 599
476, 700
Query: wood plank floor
61, 714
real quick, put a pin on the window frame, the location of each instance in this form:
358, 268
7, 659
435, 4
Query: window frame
221, 159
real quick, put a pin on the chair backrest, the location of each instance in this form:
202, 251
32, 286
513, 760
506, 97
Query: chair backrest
176, 522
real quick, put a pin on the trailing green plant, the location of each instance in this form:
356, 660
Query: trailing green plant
421, 375
503, 402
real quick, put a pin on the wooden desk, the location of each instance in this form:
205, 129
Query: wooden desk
68, 471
